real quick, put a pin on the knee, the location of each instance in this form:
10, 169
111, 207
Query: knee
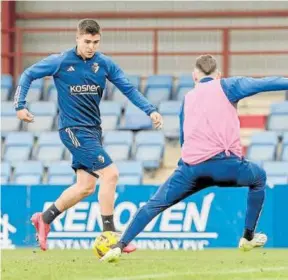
112, 177
261, 179
86, 183
153, 207
87, 189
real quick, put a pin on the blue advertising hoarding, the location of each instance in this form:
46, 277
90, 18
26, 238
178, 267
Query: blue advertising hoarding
211, 218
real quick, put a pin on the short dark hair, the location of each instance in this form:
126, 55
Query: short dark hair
206, 63
88, 26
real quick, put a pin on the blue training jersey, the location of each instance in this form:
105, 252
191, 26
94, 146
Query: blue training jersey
237, 88
80, 85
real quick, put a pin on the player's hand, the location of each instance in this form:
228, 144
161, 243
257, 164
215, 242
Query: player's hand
25, 115
157, 120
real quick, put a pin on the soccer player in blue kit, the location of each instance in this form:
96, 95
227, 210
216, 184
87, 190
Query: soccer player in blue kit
80, 77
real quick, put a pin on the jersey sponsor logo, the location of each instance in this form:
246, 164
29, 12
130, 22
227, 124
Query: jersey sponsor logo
85, 89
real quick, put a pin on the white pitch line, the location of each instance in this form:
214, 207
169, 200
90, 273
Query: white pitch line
195, 273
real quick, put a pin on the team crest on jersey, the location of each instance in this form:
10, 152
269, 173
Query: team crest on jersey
95, 67
101, 159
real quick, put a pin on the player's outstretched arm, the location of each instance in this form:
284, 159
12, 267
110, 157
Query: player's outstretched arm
118, 78
46, 67
237, 88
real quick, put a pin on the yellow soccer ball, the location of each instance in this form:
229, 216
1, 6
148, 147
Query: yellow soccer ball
103, 243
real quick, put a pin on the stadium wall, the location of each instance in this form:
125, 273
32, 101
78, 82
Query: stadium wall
212, 218
204, 41
125, 6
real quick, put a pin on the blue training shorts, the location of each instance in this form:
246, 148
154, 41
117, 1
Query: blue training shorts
85, 145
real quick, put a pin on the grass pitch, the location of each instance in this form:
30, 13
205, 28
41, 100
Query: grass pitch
32, 264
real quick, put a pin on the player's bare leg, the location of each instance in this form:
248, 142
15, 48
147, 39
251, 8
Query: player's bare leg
84, 187
106, 196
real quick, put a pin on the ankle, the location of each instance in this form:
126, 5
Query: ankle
120, 245
50, 214
248, 234
108, 223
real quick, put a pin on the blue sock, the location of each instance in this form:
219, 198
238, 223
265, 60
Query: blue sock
255, 202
